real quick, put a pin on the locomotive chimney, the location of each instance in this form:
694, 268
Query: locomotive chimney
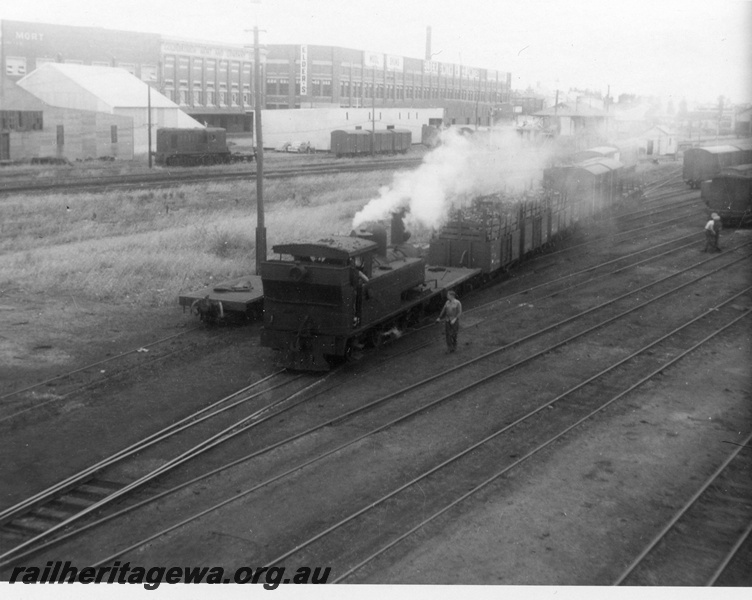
375, 233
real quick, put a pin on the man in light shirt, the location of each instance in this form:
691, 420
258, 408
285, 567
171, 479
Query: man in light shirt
450, 314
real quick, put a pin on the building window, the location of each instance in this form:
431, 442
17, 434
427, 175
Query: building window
326, 87
113, 134
211, 98
15, 65
223, 98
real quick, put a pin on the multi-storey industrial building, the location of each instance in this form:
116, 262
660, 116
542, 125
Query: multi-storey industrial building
213, 82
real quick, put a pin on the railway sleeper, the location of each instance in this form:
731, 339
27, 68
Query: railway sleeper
30, 524
52, 513
17, 531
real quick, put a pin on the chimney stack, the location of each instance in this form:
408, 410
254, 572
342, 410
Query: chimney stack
428, 43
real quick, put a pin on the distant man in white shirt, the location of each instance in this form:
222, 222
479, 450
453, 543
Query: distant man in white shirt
712, 233
450, 314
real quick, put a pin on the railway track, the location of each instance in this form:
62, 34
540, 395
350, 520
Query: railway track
81, 494
338, 419
579, 406
21, 401
170, 178
293, 469
703, 538
94, 375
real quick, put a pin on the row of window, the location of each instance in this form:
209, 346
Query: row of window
185, 97
357, 89
21, 120
16, 66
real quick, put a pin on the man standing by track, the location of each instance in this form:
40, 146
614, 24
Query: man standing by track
451, 316
712, 233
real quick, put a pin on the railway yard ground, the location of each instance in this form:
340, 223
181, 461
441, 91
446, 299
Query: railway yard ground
511, 470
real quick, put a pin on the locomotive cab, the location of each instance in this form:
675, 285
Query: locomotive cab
322, 297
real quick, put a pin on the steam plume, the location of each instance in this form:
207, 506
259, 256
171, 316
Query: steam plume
458, 169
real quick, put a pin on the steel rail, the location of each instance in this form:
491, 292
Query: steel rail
464, 389
730, 555
540, 447
95, 364
682, 511
207, 444
183, 178
152, 361
164, 433
1, 514
555, 293
413, 348
610, 237
164, 493
593, 268
411, 413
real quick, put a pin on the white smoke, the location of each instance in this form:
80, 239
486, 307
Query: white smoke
458, 169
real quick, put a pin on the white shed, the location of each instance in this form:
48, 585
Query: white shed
107, 90
659, 141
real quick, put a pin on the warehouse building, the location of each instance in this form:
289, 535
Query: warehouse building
31, 129
213, 82
106, 91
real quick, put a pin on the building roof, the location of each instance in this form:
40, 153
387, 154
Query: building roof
567, 110
16, 98
114, 87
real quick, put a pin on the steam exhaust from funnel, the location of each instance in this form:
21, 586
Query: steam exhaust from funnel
458, 169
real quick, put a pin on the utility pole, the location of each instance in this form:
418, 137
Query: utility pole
373, 113
148, 120
260, 226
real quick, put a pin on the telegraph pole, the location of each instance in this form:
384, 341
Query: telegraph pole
148, 120
373, 113
260, 226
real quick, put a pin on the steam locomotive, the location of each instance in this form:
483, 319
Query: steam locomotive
327, 297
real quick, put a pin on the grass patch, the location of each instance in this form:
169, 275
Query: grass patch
147, 247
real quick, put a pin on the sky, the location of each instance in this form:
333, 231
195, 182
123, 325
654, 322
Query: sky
674, 49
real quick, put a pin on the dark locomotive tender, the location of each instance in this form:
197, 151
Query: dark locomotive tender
360, 142
704, 163
730, 195
186, 147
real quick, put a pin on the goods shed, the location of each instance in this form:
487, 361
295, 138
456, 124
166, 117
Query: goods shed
31, 129
106, 90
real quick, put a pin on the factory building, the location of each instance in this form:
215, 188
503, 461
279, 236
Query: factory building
214, 82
